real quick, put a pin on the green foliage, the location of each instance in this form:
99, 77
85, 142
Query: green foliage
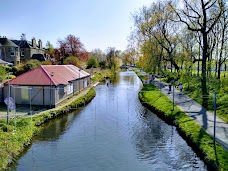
3, 73
100, 76
24, 67
71, 60
12, 142
8, 68
31, 64
102, 64
92, 62
47, 62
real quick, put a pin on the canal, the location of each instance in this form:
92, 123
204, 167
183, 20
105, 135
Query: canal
114, 132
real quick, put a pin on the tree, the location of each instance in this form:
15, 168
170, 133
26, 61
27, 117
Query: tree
92, 62
71, 60
201, 16
72, 46
222, 41
112, 58
98, 54
50, 49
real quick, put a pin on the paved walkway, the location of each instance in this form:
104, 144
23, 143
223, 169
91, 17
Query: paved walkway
198, 113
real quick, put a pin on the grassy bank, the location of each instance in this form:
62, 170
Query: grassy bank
13, 142
101, 75
214, 155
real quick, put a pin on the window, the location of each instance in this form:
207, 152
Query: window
12, 51
22, 52
69, 88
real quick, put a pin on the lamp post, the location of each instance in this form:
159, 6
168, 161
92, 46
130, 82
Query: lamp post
7, 115
214, 116
79, 78
51, 75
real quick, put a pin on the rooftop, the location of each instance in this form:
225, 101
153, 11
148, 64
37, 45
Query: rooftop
50, 74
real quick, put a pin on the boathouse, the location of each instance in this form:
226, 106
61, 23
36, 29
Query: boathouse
47, 85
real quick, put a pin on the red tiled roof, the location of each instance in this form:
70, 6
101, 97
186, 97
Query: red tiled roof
50, 74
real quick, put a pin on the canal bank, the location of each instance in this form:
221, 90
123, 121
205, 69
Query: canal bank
213, 154
13, 140
113, 132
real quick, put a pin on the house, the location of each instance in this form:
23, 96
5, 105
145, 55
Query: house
28, 49
47, 85
9, 51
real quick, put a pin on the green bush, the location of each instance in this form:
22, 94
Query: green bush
71, 60
24, 67
92, 62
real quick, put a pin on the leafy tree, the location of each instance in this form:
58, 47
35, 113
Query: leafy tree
72, 46
71, 60
112, 57
92, 62
98, 54
50, 49
102, 64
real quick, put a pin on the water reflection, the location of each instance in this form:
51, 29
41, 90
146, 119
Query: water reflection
113, 132
55, 128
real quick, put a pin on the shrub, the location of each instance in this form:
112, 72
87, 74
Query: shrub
71, 60
92, 62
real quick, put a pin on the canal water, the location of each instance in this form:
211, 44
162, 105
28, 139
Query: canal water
112, 133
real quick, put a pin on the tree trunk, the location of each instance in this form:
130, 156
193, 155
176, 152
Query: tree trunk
198, 62
219, 70
204, 71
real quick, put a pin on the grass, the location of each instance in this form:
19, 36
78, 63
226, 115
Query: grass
12, 142
101, 75
214, 155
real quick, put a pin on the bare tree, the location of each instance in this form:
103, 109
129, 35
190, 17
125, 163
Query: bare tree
201, 16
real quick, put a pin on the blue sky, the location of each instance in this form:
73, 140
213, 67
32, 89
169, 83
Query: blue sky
98, 23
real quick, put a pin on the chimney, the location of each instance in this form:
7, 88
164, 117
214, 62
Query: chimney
33, 42
40, 44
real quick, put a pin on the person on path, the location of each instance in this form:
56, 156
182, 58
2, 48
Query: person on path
170, 87
180, 87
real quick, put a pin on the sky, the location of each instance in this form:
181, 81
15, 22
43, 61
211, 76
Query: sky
98, 23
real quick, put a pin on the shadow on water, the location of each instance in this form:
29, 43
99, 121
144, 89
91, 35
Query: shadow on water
51, 131
155, 138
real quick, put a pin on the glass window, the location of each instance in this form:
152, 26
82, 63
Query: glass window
12, 51
22, 52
